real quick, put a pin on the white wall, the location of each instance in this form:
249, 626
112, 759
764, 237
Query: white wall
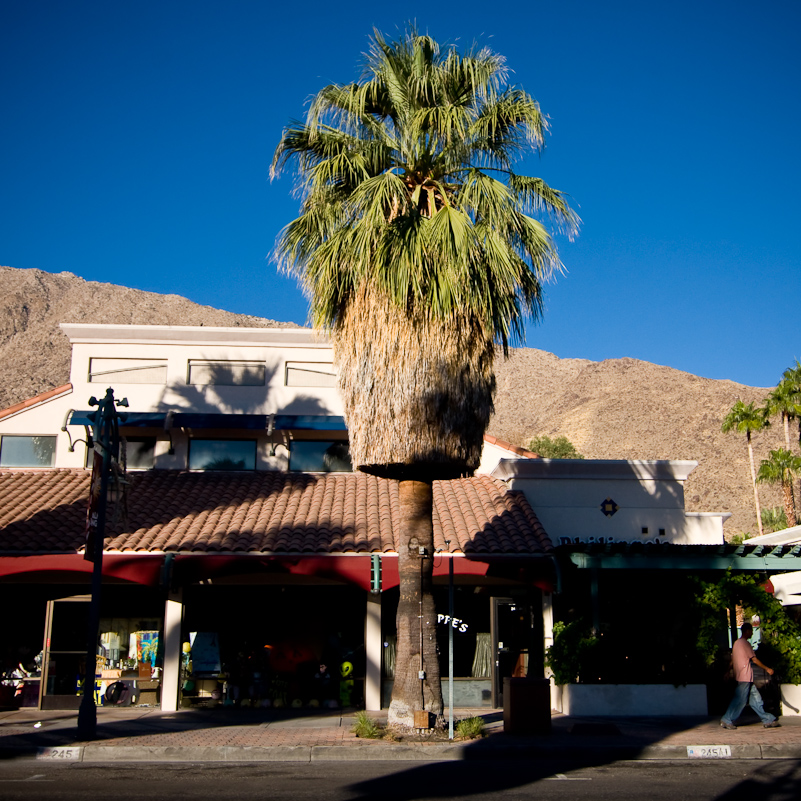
646, 497
177, 345
629, 700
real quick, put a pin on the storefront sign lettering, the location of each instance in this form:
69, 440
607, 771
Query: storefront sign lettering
455, 622
606, 541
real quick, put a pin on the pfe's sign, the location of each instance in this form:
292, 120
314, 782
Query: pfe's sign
454, 622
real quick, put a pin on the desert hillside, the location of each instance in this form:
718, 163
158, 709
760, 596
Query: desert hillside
35, 354
628, 409
616, 409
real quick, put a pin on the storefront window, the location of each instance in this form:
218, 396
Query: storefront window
222, 454
308, 655
307, 456
16, 451
139, 453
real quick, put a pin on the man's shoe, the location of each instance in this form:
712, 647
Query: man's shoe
774, 724
724, 725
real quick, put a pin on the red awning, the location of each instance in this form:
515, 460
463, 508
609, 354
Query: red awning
148, 569
137, 569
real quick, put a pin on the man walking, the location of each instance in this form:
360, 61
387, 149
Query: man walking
742, 656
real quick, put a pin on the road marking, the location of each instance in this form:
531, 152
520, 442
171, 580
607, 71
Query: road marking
709, 751
560, 777
60, 753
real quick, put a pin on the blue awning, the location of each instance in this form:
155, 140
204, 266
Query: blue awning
310, 422
243, 422
201, 421
127, 419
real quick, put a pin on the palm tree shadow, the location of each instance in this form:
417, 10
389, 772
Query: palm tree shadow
484, 771
768, 784
459, 779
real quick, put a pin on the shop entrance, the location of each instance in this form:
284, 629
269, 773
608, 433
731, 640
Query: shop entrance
517, 636
128, 650
66, 622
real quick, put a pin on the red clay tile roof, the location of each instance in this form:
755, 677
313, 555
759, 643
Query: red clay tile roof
35, 400
515, 449
264, 512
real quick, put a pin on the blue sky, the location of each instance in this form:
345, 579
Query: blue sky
136, 140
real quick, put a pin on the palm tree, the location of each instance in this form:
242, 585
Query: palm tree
746, 418
792, 376
781, 468
784, 400
419, 250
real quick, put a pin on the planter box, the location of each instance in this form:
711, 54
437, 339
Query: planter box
629, 700
791, 700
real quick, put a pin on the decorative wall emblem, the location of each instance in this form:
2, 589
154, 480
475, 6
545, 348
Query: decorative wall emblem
609, 507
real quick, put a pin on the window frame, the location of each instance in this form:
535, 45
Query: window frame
251, 441
31, 437
328, 442
246, 364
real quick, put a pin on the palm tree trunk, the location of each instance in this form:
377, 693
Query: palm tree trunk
417, 617
754, 483
789, 503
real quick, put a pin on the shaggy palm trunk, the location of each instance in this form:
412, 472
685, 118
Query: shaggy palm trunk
789, 502
754, 482
417, 616
417, 395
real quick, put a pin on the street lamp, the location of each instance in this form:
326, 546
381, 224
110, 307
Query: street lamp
106, 435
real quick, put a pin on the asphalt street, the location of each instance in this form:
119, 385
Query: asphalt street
708, 780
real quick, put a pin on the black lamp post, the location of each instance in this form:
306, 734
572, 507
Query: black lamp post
106, 435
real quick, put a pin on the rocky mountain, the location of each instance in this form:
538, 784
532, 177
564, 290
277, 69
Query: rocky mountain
35, 354
615, 409
629, 409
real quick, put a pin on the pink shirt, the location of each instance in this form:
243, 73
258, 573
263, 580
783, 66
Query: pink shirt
741, 655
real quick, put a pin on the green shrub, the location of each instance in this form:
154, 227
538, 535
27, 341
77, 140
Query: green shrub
781, 634
774, 519
571, 654
556, 448
365, 727
470, 728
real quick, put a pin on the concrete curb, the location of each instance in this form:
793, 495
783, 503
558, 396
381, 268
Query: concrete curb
104, 754
389, 753
197, 753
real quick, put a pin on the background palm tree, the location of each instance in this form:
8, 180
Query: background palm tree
784, 400
781, 468
774, 518
746, 418
792, 377
420, 251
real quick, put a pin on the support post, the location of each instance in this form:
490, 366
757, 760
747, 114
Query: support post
373, 646
450, 646
547, 642
173, 617
595, 600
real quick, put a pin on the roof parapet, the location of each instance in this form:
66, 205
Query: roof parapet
619, 469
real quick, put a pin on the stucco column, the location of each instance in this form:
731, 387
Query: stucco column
373, 647
173, 615
547, 642
547, 626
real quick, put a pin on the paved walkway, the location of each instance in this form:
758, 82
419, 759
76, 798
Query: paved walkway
237, 735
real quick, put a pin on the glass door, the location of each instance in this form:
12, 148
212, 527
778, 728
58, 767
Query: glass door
64, 660
512, 637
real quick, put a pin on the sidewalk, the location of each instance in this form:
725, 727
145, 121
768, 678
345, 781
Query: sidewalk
245, 735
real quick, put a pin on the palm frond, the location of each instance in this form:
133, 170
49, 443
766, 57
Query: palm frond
412, 211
